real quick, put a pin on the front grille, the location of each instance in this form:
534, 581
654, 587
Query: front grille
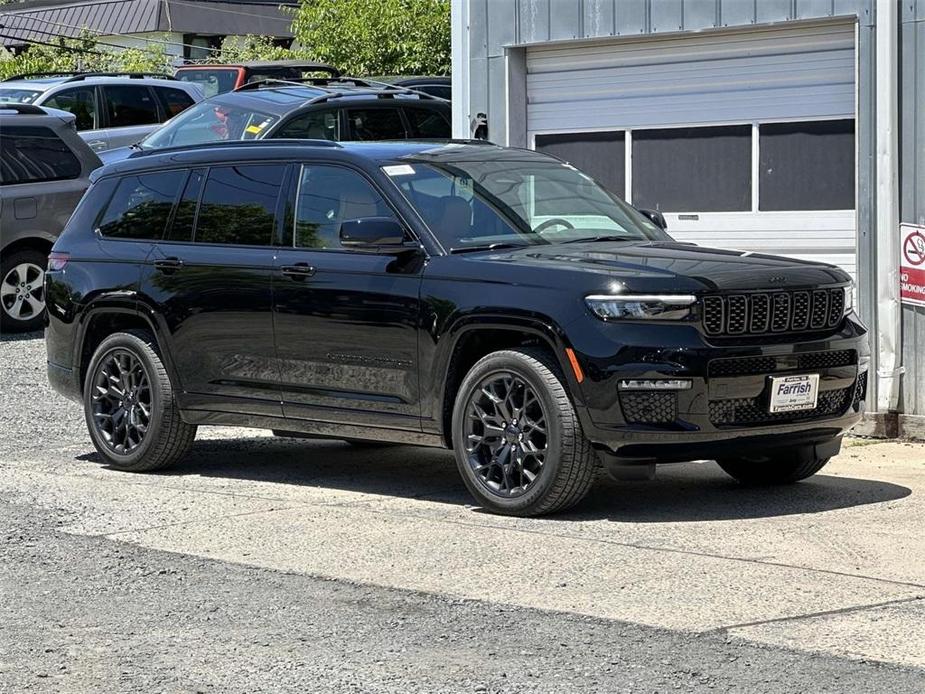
772, 312
754, 411
649, 407
752, 366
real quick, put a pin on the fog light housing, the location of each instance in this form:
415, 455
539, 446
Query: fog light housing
655, 384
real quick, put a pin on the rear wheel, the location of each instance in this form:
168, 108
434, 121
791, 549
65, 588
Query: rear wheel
519, 445
22, 291
130, 408
778, 468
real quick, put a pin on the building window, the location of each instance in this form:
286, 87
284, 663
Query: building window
693, 169
600, 155
806, 166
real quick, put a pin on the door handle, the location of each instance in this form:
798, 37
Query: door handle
168, 264
299, 271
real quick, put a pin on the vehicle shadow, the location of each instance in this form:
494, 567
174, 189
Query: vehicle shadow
21, 337
687, 492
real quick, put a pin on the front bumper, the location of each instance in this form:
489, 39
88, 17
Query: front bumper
725, 411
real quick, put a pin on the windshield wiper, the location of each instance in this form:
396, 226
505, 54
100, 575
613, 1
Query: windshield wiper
488, 247
603, 237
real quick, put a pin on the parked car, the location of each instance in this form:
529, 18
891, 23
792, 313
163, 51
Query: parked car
435, 86
218, 79
44, 169
494, 301
319, 109
112, 109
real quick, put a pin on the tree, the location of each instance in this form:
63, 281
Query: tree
376, 37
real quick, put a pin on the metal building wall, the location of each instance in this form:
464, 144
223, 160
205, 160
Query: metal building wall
493, 26
912, 197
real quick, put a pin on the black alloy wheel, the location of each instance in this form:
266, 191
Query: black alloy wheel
121, 401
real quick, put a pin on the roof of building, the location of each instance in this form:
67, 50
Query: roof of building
44, 20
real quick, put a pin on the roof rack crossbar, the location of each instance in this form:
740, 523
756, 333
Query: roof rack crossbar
374, 88
304, 142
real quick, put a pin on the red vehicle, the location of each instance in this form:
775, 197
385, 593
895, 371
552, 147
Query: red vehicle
217, 79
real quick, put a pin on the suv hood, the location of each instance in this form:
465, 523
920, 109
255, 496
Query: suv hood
674, 266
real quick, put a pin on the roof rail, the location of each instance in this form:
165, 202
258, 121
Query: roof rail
304, 142
23, 109
373, 87
79, 76
397, 88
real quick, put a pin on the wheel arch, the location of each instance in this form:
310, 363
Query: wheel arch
40, 243
474, 337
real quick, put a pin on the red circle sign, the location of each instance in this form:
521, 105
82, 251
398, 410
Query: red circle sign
914, 248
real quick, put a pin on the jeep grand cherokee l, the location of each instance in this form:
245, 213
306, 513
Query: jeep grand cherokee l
494, 301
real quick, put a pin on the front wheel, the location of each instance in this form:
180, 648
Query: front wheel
779, 468
518, 443
130, 408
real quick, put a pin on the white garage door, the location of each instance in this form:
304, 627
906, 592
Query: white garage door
742, 140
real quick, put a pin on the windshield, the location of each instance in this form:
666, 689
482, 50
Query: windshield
18, 96
210, 122
212, 82
475, 204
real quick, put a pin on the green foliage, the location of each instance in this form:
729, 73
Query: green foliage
85, 54
376, 37
238, 49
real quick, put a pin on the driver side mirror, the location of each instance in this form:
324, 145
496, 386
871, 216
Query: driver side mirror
372, 233
656, 217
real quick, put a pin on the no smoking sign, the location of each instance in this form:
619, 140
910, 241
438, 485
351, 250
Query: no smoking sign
912, 264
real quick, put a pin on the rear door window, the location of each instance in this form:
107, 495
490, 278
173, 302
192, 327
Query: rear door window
173, 100
81, 101
129, 104
141, 205
239, 204
315, 125
376, 124
30, 154
428, 123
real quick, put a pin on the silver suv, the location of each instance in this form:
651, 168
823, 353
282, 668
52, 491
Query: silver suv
112, 109
44, 169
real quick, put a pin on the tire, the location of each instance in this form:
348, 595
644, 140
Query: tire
22, 291
569, 465
779, 468
165, 438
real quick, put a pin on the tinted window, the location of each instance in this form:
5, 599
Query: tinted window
174, 100
806, 166
316, 125
239, 205
29, 154
81, 102
693, 169
212, 81
440, 90
140, 207
600, 155
129, 104
427, 123
376, 124
329, 195
185, 217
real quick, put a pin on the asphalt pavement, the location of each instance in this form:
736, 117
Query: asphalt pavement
271, 564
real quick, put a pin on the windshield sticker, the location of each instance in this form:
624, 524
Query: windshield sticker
254, 129
463, 186
399, 170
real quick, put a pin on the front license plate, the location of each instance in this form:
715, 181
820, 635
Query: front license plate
794, 393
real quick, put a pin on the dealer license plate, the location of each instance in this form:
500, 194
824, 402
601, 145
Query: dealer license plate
794, 393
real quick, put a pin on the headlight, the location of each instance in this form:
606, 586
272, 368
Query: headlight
849, 298
641, 307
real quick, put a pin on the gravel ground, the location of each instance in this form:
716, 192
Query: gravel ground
83, 613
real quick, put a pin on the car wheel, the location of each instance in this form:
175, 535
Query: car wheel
22, 291
779, 468
518, 443
130, 407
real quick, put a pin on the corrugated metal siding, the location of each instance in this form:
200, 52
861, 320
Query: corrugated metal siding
693, 79
912, 201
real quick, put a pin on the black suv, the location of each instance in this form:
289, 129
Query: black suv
494, 301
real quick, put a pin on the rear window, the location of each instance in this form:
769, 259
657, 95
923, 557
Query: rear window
428, 123
18, 96
140, 207
213, 82
33, 154
173, 100
129, 105
208, 121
